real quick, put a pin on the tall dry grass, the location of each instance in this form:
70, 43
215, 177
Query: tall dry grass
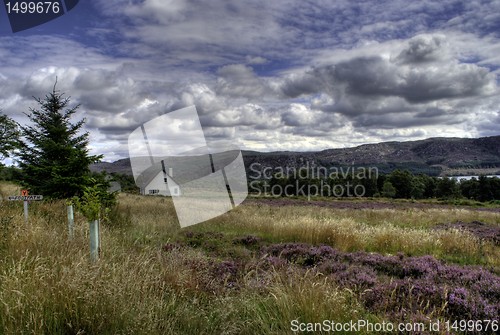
386, 231
48, 285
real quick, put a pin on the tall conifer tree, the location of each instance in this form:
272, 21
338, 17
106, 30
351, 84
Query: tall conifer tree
54, 157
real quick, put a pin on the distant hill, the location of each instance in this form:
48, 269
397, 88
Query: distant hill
433, 156
121, 166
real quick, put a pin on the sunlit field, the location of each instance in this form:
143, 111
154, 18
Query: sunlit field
259, 269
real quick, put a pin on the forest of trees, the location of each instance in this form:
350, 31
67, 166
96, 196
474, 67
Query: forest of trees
400, 184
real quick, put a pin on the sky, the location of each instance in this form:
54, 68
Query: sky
265, 75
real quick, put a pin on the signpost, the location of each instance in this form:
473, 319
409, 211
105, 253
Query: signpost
25, 198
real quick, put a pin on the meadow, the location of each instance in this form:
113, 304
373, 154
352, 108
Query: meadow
250, 271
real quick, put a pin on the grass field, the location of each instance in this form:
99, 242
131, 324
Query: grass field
251, 271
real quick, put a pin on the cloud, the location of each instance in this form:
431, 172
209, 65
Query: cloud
303, 83
247, 115
197, 32
488, 125
202, 96
271, 75
423, 49
299, 115
256, 60
97, 90
425, 70
161, 11
239, 80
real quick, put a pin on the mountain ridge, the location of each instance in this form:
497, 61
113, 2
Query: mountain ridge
434, 156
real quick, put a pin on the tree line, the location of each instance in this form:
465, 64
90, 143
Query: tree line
399, 184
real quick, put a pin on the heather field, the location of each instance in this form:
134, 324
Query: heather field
264, 268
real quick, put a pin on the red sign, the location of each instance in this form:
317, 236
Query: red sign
24, 192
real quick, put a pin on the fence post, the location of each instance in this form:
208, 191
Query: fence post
94, 240
25, 211
71, 222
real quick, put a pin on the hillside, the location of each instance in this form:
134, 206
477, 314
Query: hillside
432, 156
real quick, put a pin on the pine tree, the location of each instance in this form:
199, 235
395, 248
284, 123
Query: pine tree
54, 157
9, 136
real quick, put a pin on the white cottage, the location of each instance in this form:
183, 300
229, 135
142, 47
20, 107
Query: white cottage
156, 181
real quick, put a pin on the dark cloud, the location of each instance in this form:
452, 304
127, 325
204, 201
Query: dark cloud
309, 82
375, 76
432, 112
367, 76
423, 72
453, 81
